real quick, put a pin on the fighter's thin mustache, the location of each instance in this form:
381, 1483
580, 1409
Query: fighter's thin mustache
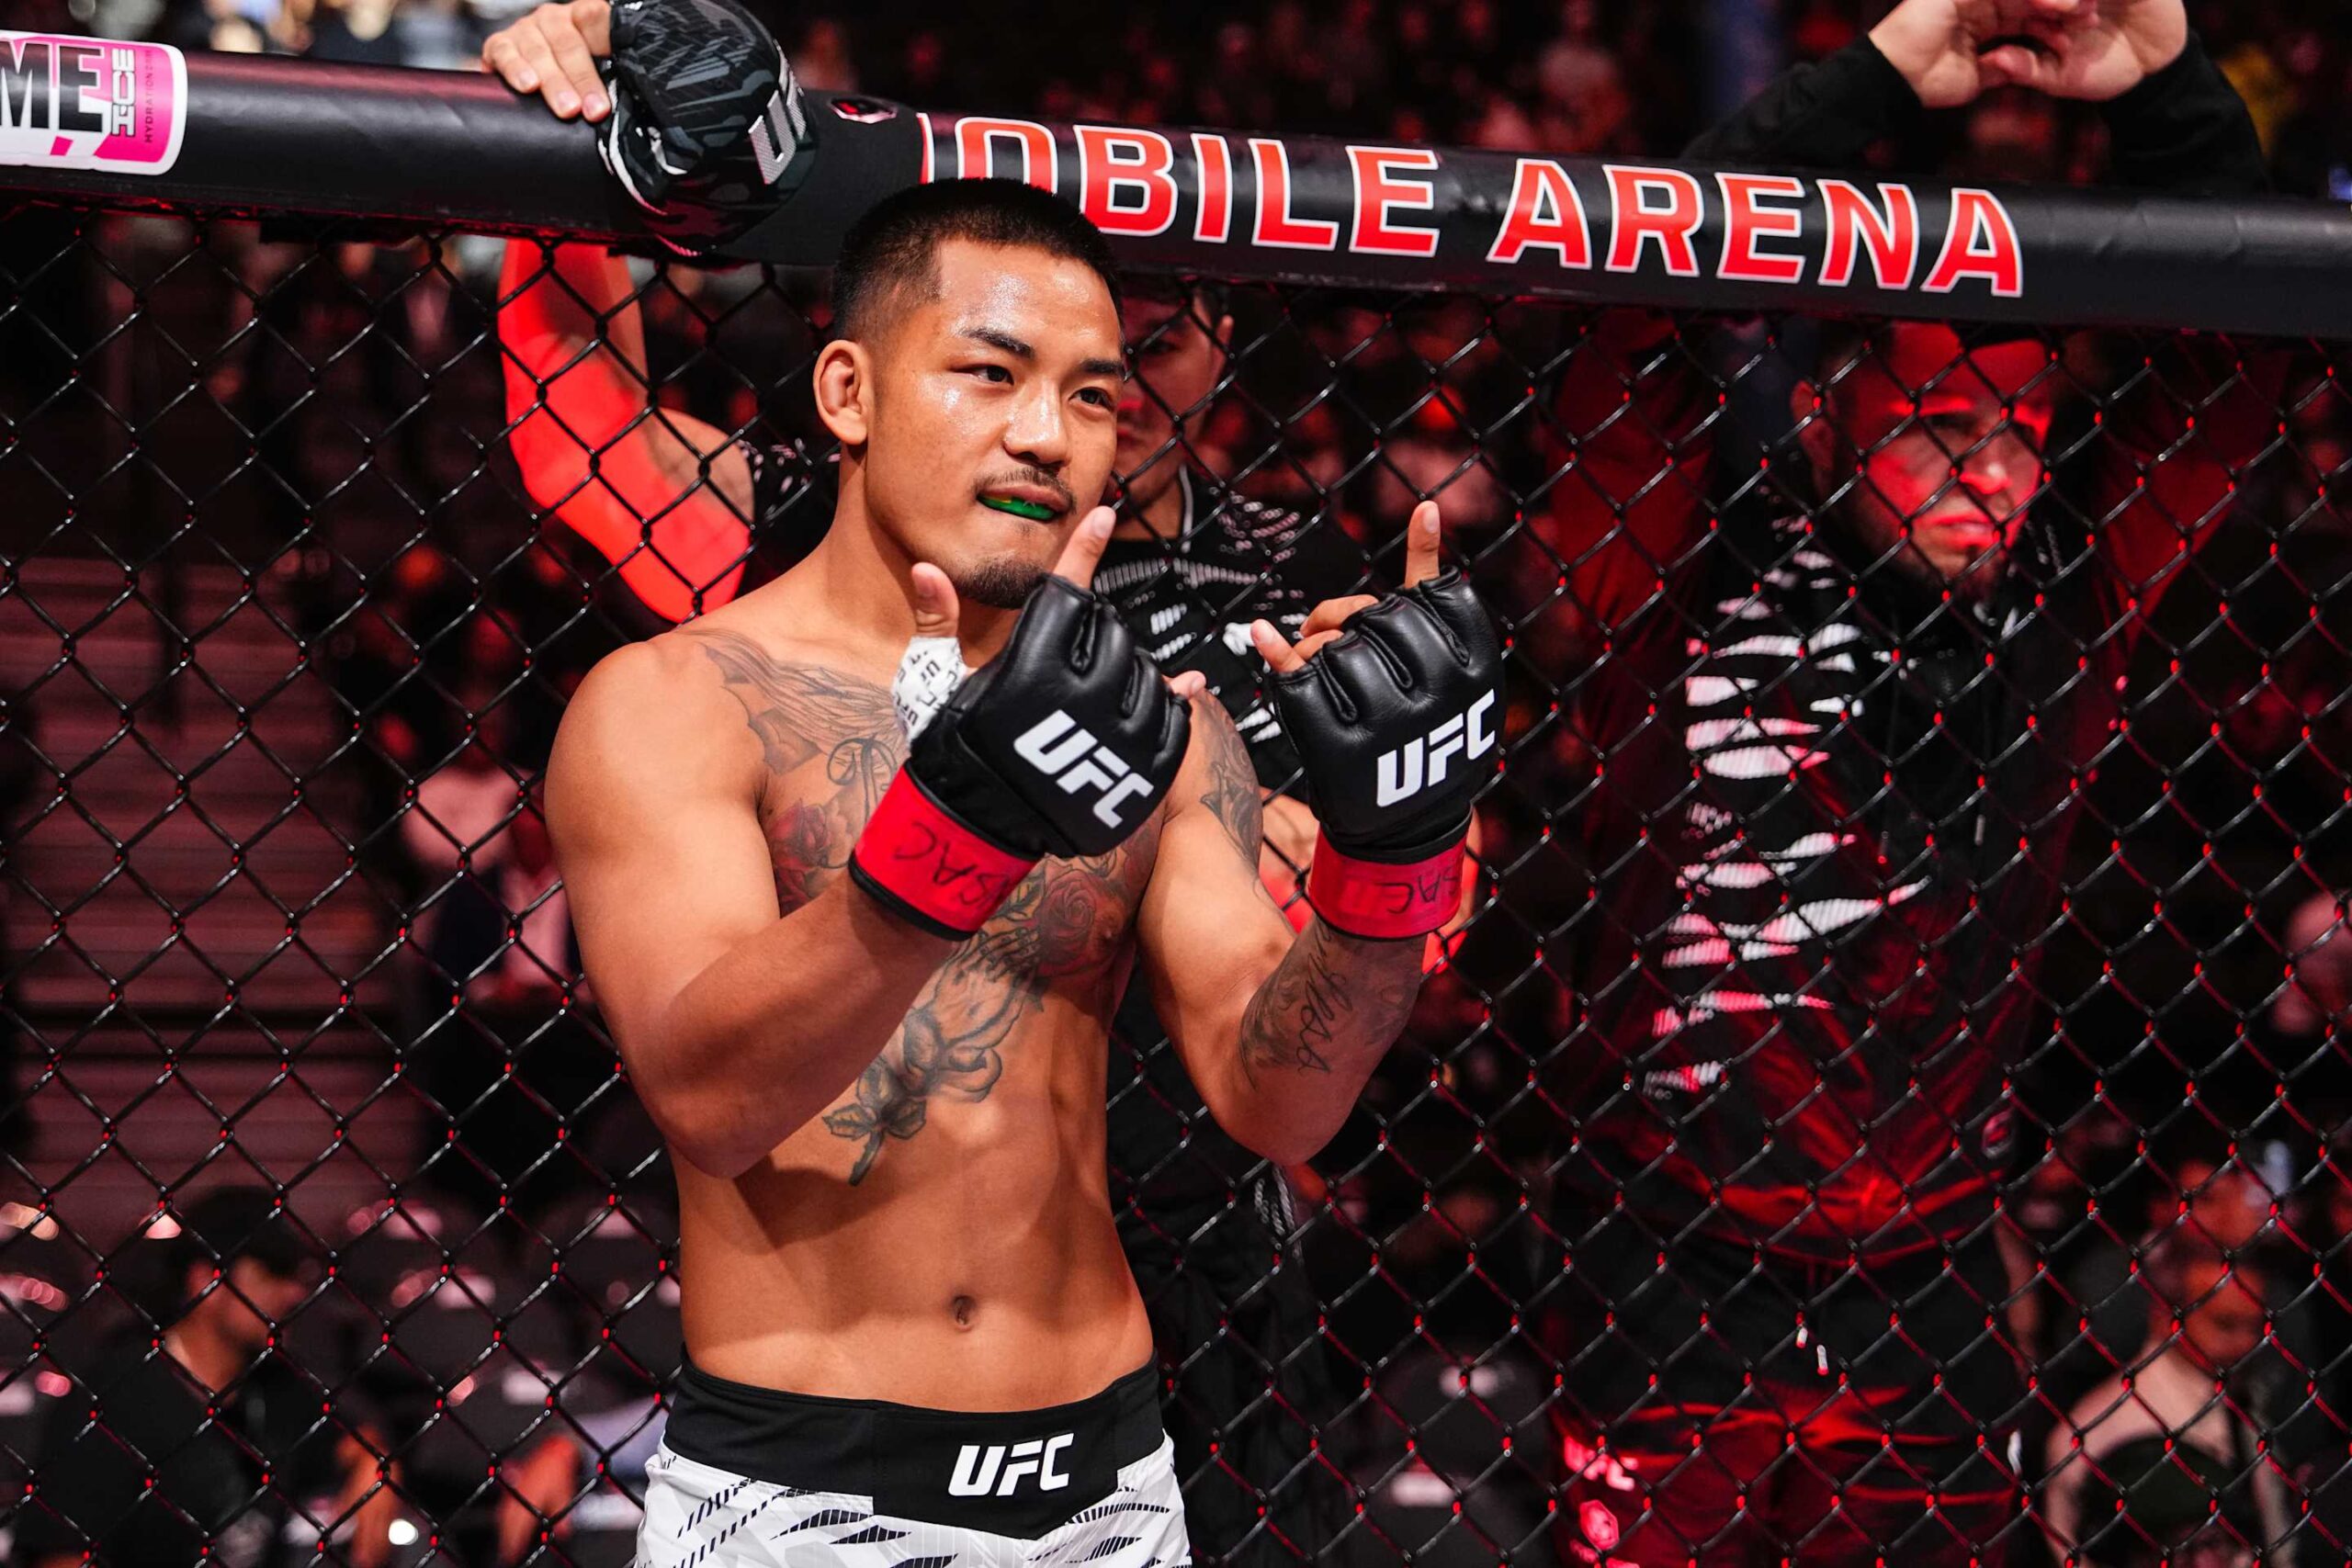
1033, 476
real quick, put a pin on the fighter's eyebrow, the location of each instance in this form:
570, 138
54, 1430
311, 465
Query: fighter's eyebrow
1005, 341
1114, 370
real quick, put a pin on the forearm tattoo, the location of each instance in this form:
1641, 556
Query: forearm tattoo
1332, 997
1067, 918
1233, 796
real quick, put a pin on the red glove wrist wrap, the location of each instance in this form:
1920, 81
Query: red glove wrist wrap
1368, 898
929, 867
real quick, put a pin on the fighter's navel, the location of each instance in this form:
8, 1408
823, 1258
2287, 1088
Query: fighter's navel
963, 1307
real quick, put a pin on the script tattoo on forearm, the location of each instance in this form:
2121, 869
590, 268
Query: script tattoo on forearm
1331, 996
1233, 796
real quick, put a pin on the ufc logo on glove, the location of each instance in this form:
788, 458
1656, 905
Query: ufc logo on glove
1402, 771
1058, 749
1409, 687
1059, 745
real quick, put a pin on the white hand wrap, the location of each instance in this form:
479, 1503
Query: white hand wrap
927, 677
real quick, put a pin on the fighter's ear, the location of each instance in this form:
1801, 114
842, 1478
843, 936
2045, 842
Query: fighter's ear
845, 386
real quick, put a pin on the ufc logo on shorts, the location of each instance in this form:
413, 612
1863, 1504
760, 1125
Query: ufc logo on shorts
1064, 752
1419, 765
981, 1470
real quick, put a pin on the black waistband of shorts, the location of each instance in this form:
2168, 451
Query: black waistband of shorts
1014, 1472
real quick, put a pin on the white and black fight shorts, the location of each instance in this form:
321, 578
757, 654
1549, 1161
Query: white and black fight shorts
753, 1478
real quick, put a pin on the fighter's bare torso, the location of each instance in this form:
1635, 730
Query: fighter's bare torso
889, 1133
951, 1209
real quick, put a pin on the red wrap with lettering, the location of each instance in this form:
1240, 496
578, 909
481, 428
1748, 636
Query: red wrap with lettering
927, 867
1371, 898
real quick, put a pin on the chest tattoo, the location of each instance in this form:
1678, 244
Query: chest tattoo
830, 744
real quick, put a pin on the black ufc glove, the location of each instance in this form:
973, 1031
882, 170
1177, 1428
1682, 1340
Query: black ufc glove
1397, 723
1061, 745
706, 132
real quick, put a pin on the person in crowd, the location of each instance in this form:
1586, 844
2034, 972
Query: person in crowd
201, 1443
2166, 1461
1841, 747
2319, 959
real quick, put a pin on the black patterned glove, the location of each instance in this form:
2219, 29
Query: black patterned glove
707, 134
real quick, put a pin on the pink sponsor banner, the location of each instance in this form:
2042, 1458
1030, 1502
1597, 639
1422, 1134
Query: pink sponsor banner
89, 103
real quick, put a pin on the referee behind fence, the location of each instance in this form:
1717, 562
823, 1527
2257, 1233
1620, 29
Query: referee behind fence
1844, 744
1189, 568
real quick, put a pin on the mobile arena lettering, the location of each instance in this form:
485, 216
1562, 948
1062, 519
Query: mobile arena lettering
1784, 230
1236, 204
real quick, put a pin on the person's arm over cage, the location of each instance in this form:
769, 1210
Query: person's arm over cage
663, 495
2193, 412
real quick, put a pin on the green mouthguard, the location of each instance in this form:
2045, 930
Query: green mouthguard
1029, 509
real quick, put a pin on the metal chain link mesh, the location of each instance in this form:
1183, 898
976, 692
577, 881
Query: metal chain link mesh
1893, 1052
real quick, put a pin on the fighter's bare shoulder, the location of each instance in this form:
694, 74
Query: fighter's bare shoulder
734, 698
652, 719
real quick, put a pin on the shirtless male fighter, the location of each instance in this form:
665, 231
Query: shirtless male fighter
863, 983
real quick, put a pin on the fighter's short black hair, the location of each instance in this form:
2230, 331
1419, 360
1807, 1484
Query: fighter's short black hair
892, 249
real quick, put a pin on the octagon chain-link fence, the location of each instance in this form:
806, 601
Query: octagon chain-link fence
1894, 1052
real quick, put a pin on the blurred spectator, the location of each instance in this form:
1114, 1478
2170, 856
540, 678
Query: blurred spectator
232, 26
456, 825
355, 32
2218, 1201
202, 1444
539, 963
502, 1051
437, 35
2319, 959
2164, 1461
1586, 109
821, 61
